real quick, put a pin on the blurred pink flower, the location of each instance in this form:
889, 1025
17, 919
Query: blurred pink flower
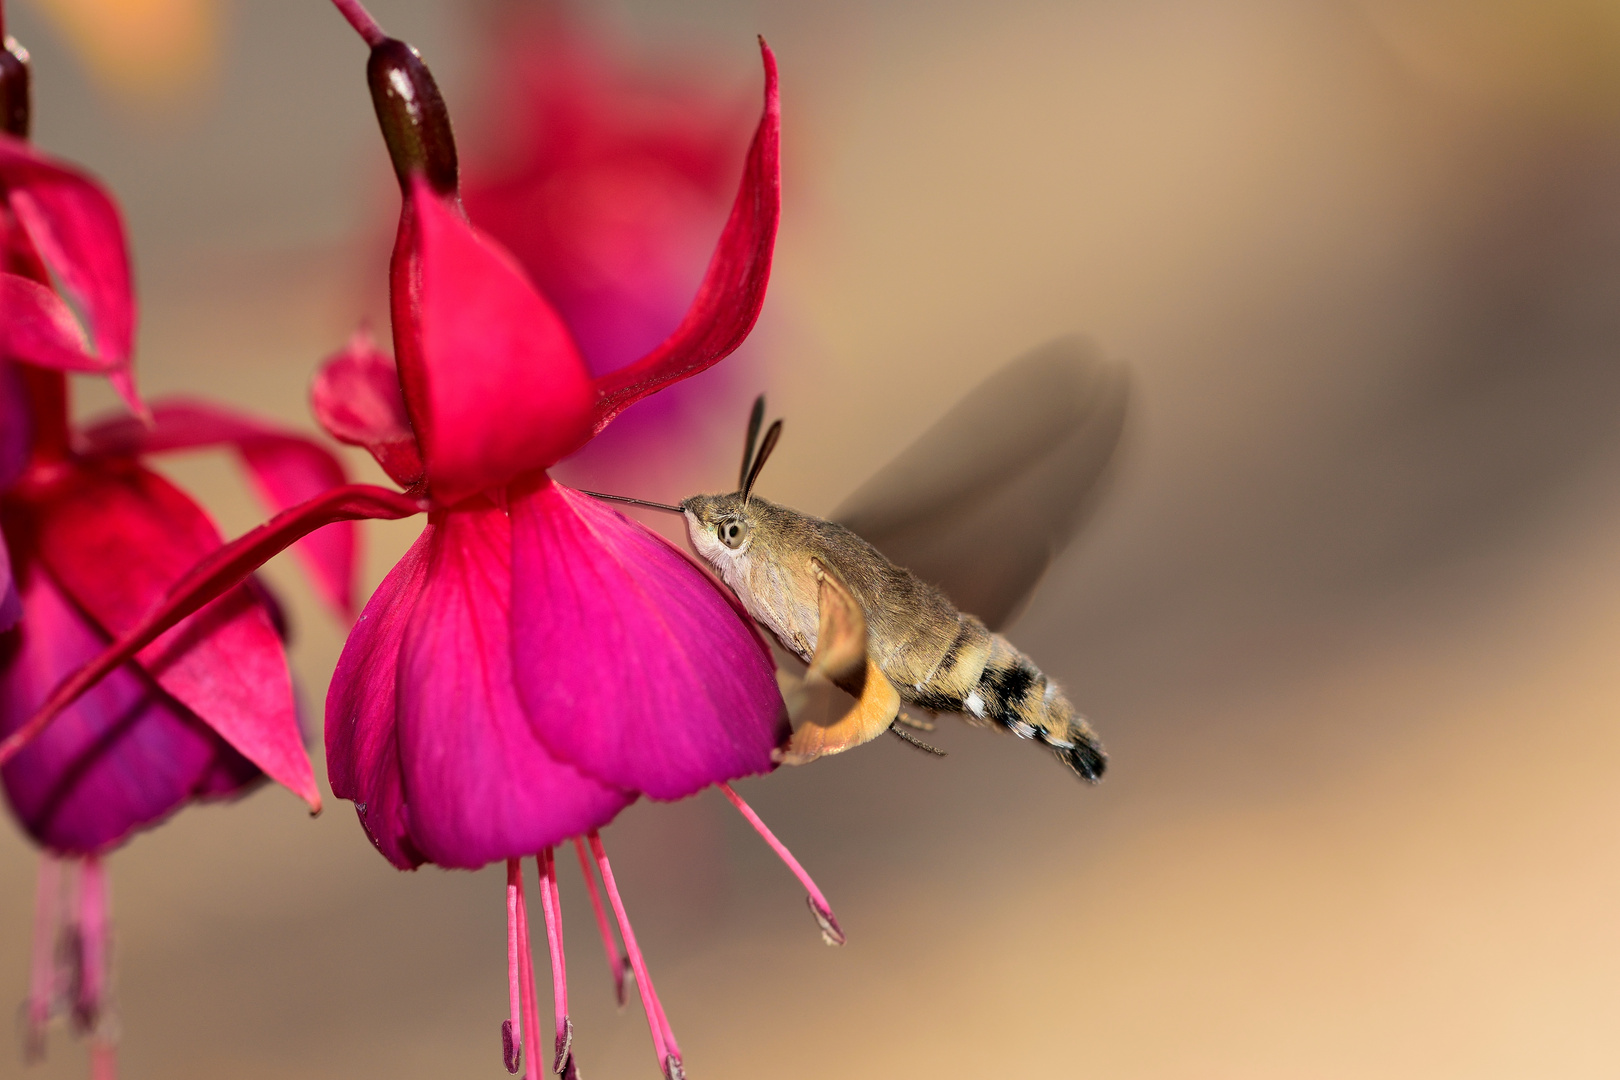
605, 179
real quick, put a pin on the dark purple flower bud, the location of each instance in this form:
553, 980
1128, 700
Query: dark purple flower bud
14, 86
415, 124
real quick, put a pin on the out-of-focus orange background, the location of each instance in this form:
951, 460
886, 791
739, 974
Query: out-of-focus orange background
1349, 620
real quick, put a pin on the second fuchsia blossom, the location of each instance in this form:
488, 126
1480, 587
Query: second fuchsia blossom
537, 661
95, 540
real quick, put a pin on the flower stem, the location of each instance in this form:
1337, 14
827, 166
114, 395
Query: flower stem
831, 932
669, 1055
618, 964
361, 20
512, 1029
42, 966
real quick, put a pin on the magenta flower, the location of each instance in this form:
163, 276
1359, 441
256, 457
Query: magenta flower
537, 661
94, 540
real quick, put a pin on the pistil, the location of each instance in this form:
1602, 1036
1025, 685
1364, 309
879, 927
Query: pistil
831, 932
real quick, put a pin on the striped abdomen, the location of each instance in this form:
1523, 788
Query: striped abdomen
983, 677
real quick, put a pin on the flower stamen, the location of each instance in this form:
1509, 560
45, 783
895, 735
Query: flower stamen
831, 932
512, 1029
619, 965
664, 1045
90, 986
551, 904
531, 1008
42, 972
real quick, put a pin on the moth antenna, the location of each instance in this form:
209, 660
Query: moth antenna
912, 740
668, 509
773, 433
755, 419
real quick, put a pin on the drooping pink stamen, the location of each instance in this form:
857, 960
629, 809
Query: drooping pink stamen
831, 932
42, 965
103, 1059
361, 20
616, 963
512, 1028
531, 1008
669, 1054
551, 904
90, 993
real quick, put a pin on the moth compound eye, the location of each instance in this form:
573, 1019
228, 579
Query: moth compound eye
733, 532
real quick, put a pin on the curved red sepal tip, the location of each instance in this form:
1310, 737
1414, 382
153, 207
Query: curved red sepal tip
732, 293
215, 575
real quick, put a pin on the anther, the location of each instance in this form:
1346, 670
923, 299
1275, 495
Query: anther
511, 1051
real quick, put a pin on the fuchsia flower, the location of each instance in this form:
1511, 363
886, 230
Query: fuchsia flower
94, 539
536, 661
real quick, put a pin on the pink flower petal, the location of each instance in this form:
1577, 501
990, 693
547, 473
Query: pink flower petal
37, 327
210, 579
481, 786
287, 468
728, 301
504, 388
635, 665
362, 745
357, 399
125, 757
115, 537
77, 229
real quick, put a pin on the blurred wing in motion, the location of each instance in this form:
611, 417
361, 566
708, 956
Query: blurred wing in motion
984, 500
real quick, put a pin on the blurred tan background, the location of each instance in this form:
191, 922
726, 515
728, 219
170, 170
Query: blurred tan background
1349, 621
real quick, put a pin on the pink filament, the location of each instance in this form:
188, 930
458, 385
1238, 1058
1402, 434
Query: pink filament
551, 905
361, 20
531, 1008
609, 945
818, 903
514, 902
663, 1038
93, 939
103, 1060
42, 967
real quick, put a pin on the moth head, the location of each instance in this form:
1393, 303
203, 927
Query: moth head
721, 526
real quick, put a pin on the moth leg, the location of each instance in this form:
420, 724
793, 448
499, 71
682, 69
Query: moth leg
917, 723
823, 723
